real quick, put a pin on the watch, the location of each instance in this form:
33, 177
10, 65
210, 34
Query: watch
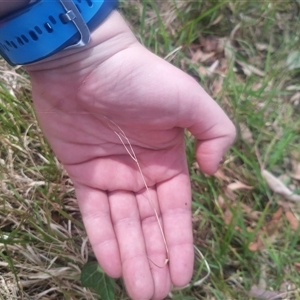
45, 27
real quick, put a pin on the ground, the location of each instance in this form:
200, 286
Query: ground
246, 54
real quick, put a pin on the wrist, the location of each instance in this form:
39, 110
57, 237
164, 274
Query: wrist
109, 38
42, 28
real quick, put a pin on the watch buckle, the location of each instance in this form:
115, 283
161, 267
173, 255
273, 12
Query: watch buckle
73, 15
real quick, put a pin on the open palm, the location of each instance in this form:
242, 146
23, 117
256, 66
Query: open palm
87, 103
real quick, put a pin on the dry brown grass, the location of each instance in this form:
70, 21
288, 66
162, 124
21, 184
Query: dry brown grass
238, 51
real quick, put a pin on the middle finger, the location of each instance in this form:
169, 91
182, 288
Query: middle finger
155, 241
127, 224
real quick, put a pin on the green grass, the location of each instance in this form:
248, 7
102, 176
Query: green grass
42, 241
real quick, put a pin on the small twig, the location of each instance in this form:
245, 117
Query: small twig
172, 53
128, 147
122, 136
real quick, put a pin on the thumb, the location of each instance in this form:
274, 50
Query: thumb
210, 125
209, 153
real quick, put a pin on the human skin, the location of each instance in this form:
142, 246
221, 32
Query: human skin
81, 97
9, 6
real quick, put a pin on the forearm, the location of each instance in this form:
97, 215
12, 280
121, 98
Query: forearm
7, 7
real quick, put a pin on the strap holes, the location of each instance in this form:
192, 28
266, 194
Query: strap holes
13, 44
52, 20
24, 38
38, 29
33, 35
48, 27
4, 47
20, 42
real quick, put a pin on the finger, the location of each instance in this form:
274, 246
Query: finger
175, 204
215, 133
205, 119
94, 208
127, 225
155, 241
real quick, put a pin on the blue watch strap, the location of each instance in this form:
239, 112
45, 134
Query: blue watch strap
46, 27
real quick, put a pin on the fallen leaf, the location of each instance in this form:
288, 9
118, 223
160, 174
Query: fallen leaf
227, 216
288, 286
221, 202
203, 71
200, 56
292, 219
264, 47
239, 186
197, 56
207, 56
249, 69
252, 214
196, 166
229, 50
230, 195
209, 44
196, 220
234, 31
256, 86
293, 60
220, 175
217, 85
257, 245
249, 229
268, 231
259, 293
262, 284
278, 187
296, 172
295, 98
239, 229
286, 205
217, 20
246, 133
293, 88
211, 70
297, 266
278, 214
224, 67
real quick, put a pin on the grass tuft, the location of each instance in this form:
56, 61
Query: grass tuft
240, 52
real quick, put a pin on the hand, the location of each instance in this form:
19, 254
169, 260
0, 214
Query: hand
79, 97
